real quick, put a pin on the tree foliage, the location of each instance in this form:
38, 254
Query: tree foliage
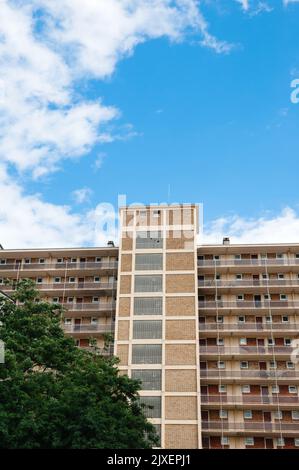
54, 395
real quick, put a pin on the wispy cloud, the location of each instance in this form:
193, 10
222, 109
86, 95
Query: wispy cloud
82, 195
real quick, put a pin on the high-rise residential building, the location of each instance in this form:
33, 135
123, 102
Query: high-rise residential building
210, 330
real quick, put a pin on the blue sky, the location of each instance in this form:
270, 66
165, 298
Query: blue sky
213, 121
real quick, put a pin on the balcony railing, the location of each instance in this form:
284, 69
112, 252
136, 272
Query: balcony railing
249, 400
249, 374
109, 351
70, 286
249, 283
254, 327
246, 350
88, 328
244, 304
56, 266
250, 426
249, 262
91, 306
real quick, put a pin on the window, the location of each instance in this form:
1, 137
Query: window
287, 342
142, 213
98, 259
279, 255
292, 389
249, 441
296, 442
240, 297
73, 260
280, 276
218, 277
268, 319
59, 260
247, 414
264, 255
271, 342
267, 297
245, 388
72, 280
148, 306
283, 297
220, 342
67, 321
290, 365
2, 261
218, 298
223, 414
238, 257
55, 300
149, 262
1, 280
146, 240
297, 255
221, 365
148, 283
277, 415
275, 388
152, 408
94, 321
70, 300
41, 260
280, 442
224, 441
156, 213
219, 319
273, 365
96, 299
146, 354
143, 329
216, 257
243, 341
285, 319
151, 379
239, 277
241, 319
265, 276
295, 415
222, 388
244, 365
27, 261
39, 280
97, 279
57, 280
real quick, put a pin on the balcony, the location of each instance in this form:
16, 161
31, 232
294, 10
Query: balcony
248, 305
248, 283
230, 262
251, 427
103, 265
88, 328
246, 351
70, 286
249, 327
282, 375
108, 352
90, 307
246, 400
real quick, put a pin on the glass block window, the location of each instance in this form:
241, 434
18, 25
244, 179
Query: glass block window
148, 306
147, 354
151, 379
148, 283
152, 407
149, 262
143, 329
145, 240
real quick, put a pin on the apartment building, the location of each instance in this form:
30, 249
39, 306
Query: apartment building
210, 330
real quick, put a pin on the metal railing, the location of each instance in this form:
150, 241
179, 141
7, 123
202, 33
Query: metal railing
247, 350
249, 399
88, 328
245, 304
250, 426
91, 306
56, 266
254, 327
109, 351
249, 374
249, 283
249, 262
69, 286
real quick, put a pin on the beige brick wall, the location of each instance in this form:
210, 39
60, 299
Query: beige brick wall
180, 261
126, 263
184, 408
180, 329
182, 216
179, 306
124, 307
123, 330
180, 283
177, 240
181, 436
127, 242
180, 380
123, 354
180, 354
125, 284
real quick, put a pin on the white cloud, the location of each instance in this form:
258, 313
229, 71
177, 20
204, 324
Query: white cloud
280, 228
287, 2
244, 4
82, 195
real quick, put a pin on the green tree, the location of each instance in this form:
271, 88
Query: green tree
54, 395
